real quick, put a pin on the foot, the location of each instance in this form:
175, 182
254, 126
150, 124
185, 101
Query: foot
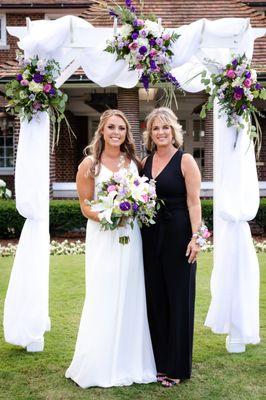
160, 376
168, 382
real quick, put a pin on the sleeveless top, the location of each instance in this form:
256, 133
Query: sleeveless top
170, 182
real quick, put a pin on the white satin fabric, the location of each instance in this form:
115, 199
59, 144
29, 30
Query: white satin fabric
26, 315
113, 346
74, 42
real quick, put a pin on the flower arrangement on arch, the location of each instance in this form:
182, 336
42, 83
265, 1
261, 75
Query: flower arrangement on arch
123, 198
34, 91
235, 86
143, 43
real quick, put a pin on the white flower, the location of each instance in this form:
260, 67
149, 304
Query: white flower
125, 30
26, 74
35, 87
8, 193
143, 42
224, 85
2, 183
253, 75
153, 28
237, 82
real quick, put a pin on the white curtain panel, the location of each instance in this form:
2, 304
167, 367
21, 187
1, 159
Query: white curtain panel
26, 315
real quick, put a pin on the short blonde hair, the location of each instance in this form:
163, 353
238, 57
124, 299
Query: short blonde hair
167, 116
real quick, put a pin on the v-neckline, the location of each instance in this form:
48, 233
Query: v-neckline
166, 165
114, 172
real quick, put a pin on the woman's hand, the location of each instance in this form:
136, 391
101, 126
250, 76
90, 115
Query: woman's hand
192, 250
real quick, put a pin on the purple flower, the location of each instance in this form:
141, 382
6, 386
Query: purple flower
32, 96
124, 206
38, 78
248, 74
244, 106
128, 3
112, 13
24, 82
132, 9
152, 42
238, 93
136, 182
143, 50
234, 62
143, 33
153, 64
52, 92
159, 41
258, 86
145, 81
19, 77
135, 35
135, 207
37, 105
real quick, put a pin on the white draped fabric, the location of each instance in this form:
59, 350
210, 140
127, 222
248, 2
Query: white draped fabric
74, 42
26, 316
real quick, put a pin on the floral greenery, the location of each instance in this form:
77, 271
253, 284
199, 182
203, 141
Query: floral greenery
143, 43
4, 192
235, 86
34, 91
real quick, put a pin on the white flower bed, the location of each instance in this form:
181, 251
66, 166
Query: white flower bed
78, 247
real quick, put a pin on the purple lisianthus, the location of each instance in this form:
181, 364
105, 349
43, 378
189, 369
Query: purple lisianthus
38, 78
243, 107
248, 74
52, 91
258, 86
136, 182
238, 93
145, 81
159, 41
132, 9
135, 35
135, 207
143, 50
138, 22
143, 33
128, 3
19, 77
124, 206
152, 42
112, 13
234, 62
153, 64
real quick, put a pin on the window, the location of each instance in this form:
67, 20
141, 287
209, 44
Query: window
6, 143
2, 30
198, 130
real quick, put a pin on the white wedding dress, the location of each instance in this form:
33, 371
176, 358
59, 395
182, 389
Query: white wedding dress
113, 346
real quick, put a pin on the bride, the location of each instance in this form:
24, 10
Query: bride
113, 346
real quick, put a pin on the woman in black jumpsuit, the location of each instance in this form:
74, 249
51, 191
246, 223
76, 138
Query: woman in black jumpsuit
170, 248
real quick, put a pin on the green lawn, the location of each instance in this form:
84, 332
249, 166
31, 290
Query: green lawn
216, 374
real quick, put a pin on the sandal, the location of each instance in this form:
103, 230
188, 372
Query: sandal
168, 383
160, 377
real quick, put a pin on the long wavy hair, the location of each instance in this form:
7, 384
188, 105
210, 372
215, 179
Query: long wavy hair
96, 147
167, 116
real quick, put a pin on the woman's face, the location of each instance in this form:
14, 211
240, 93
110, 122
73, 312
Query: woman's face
161, 133
114, 131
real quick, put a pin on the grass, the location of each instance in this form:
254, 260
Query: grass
216, 374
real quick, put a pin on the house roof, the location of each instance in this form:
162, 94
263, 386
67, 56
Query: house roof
175, 13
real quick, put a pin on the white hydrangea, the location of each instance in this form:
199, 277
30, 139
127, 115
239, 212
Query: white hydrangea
153, 27
35, 87
2, 183
125, 30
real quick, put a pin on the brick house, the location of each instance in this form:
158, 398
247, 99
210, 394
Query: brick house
87, 100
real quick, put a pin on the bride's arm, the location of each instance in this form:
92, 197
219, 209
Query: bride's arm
85, 187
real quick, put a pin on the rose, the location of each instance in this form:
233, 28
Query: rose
37, 105
133, 46
247, 83
111, 188
153, 52
166, 36
145, 198
238, 93
24, 82
230, 74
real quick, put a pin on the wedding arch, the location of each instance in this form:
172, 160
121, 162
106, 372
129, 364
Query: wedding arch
75, 43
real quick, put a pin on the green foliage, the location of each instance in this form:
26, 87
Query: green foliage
65, 216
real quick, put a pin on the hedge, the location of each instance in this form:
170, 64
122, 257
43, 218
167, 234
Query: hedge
65, 217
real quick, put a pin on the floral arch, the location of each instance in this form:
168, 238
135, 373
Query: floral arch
75, 43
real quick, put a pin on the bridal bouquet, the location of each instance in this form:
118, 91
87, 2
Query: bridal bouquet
125, 197
235, 86
34, 90
143, 43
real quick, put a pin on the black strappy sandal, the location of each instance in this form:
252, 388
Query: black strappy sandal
160, 377
168, 383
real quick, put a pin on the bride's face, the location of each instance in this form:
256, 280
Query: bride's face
114, 131
161, 133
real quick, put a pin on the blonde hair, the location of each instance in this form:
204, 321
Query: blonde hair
96, 147
167, 116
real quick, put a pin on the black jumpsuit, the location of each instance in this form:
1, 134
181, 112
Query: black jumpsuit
169, 278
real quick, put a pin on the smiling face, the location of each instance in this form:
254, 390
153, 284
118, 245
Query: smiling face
161, 133
114, 131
